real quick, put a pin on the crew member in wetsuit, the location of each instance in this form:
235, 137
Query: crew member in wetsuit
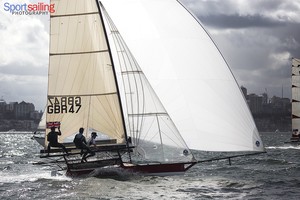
53, 142
80, 143
92, 140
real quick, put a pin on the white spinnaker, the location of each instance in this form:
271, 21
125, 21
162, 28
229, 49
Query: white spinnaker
188, 73
151, 129
296, 94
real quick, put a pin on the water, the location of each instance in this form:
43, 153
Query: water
274, 175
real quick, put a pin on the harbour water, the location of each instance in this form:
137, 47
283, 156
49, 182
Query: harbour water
272, 175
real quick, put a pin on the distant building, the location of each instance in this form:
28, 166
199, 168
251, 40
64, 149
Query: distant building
19, 116
281, 105
36, 115
265, 98
15, 110
11, 106
23, 110
255, 103
2, 105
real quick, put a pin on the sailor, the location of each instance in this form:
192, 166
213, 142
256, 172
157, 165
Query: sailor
53, 141
92, 140
80, 143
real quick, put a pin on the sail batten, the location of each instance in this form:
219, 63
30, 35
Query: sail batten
148, 114
295, 93
132, 72
71, 53
105, 94
77, 14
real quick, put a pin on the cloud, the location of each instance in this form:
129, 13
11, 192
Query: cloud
287, 10
24, 88
257, 38
23, 40
239, 21
23, 57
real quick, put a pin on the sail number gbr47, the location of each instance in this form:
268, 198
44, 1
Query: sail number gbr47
70, 104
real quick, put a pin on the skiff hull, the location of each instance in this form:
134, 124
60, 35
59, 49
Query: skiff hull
152, 169
159, 169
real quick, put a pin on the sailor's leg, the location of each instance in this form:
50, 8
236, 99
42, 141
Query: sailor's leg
90, 152
48, 149
64, 148
84, 156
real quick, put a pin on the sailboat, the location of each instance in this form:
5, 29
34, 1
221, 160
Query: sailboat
295, 139
152, 84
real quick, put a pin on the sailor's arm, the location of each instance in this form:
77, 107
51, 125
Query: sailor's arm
59, 132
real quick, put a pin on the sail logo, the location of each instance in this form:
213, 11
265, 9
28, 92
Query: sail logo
60, 105
39, 8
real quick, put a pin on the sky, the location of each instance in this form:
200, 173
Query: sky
257, 38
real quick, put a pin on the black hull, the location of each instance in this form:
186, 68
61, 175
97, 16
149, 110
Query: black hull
157, 169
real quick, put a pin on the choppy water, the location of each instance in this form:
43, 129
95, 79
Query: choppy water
274, 175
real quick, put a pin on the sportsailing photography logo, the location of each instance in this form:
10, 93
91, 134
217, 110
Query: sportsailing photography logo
39, 8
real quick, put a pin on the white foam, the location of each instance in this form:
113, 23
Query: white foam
32, 177
284, 147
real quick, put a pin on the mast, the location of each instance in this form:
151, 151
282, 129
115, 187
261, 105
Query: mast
114, 72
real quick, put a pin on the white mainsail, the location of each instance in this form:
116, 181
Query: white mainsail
82, 89
188, 73
296, 93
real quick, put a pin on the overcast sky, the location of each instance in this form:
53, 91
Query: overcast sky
256, 37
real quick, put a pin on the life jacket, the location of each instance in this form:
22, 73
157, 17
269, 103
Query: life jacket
52, 137
78, 140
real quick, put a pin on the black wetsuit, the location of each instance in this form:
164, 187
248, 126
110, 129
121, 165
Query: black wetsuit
53, 142
80, 143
